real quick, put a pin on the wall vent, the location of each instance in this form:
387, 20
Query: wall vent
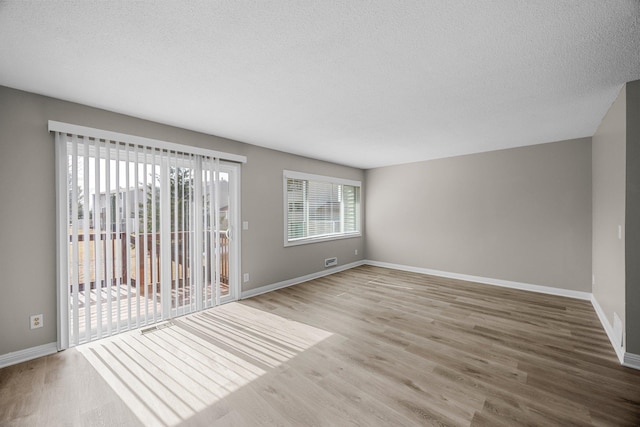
330, 262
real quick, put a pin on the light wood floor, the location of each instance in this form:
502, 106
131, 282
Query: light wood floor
368, 346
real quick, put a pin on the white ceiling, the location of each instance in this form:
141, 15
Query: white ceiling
363, 83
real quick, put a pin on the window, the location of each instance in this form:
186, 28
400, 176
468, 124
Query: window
320, 208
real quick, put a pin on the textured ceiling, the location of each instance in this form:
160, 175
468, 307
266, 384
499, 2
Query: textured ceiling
363, 83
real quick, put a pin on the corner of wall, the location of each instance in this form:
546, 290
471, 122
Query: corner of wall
632, 218
608, 329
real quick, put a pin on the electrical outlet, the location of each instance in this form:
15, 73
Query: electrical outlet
356, 252
36, 321
245, 277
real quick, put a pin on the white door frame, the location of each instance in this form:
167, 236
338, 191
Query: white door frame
234, 171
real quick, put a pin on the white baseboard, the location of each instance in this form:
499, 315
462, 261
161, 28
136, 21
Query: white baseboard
608, 329
268, 288
631, 360
27, 354
487, 281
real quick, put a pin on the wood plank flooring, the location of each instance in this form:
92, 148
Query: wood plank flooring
368, 346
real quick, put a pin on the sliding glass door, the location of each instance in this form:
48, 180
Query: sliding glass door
220, 198
203, 206
147, 235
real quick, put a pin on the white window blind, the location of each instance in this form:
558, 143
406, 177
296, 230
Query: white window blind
320, 208
139, 235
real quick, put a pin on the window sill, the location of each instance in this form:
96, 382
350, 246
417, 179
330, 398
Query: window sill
318, 239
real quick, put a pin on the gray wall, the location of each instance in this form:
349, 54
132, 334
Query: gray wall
263, 253
608, 168
616, 201
522, 214
27, 208
632, 235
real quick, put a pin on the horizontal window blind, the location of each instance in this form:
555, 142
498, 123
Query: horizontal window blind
320, 208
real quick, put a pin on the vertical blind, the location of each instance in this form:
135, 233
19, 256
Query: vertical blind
140, 238
320, 207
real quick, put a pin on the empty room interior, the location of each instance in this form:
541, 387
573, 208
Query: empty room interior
383, 212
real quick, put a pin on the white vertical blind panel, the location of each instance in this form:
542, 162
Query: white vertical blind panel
75, 260
196, 247
128, 226
63, 249
218, 252
207, 236
185, 234
136, 235
188, 256
184, 228
211, 232
194, 271
165, 238
86, 255
108, 233
194, 225
118, 240
144, 280
97, 239
154, 230
174, 238
178, 297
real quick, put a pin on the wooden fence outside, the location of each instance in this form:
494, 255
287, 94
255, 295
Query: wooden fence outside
125, 252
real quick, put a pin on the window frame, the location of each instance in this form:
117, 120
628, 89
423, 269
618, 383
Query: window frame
287, 174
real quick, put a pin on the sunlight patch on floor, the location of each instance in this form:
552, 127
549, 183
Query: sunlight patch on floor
167, 376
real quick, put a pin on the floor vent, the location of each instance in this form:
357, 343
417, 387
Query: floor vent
330, 262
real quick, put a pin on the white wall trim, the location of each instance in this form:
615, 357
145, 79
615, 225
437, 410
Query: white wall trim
487, 281
608, 329
631, 360
27, 354
297, 280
